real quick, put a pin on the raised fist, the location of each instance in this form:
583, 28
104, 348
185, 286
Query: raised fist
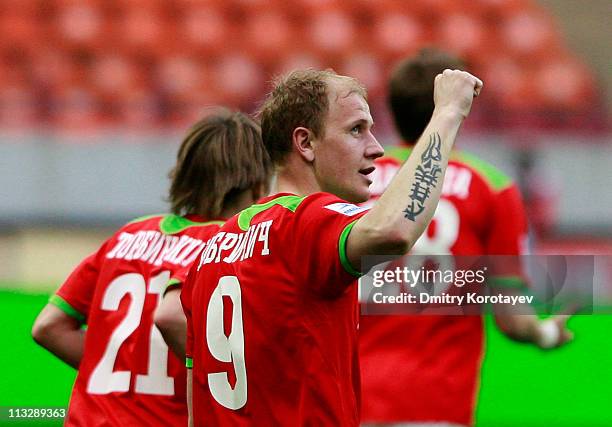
454, 91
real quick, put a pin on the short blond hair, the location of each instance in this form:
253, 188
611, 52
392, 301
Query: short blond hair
298, 99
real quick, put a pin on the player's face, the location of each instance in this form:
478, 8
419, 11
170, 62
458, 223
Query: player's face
346, 150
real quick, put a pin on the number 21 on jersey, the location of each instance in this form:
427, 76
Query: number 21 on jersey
104, 379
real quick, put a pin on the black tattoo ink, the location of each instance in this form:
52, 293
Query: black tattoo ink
425, 178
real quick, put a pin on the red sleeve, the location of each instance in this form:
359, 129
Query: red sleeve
322, 224
76, 293
178, 278
508, 236
186, 302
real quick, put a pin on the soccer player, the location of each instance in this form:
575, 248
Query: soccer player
126, 376
271, 304
424, 369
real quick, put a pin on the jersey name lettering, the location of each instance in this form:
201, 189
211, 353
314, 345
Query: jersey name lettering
232, 247
457, 182
155, 248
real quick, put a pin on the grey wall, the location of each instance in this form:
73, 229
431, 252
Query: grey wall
89, 182
110, 179
577, 171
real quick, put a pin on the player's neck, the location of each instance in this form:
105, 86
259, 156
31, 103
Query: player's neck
238, 203
296, 178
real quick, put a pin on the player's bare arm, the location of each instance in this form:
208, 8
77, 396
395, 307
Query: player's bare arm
405, 208
61, 334
190, 396
171, 322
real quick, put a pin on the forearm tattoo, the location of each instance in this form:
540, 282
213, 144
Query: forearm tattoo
425, 178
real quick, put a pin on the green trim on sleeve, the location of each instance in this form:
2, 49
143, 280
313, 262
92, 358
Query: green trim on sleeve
61, 303
508, 282
172, 283
189, 363
288, 202
342, 251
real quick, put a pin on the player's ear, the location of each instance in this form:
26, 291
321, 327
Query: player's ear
302, 141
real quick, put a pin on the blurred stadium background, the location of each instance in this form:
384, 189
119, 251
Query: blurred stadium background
95, 94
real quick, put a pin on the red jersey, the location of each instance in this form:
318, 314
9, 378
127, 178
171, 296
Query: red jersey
426, 368
272, 317
127, 376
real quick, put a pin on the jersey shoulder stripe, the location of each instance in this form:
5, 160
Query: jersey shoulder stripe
398, 153
145, 218
173, 224
496, 179
493, 177
288, 202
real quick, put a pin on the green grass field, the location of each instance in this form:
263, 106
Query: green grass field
521, 386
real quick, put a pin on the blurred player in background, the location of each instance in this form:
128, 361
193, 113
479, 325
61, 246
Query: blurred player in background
425, 369
126, 376
272, 312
